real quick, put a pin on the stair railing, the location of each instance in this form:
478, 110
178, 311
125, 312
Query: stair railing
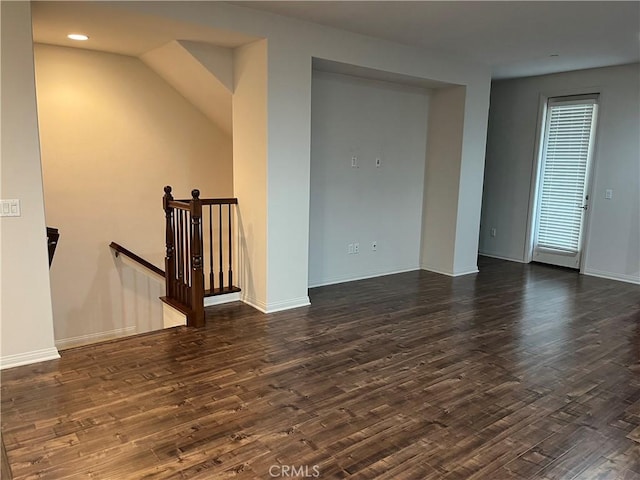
53, 235
187, 233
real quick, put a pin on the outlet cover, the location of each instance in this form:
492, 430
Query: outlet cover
10, 208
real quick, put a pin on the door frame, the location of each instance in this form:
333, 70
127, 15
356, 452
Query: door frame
537, 165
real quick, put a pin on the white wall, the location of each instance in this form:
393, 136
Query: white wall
368, 119
288, 159
113, 134
25, 304
291, 46
613, 236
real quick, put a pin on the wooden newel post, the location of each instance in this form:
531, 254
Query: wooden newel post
170, 258
197, 275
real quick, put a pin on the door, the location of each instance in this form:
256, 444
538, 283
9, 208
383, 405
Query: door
563, 201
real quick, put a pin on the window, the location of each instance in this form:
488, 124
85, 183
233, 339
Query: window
562, 201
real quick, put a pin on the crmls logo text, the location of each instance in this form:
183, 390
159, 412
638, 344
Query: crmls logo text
304, 471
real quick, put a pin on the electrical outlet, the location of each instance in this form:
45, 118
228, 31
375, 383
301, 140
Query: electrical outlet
354, 162
356, 248
378, 162
608, 194
350, 248
374, 246
492, 232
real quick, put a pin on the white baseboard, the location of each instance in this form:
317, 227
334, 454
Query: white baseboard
94, 337
288, 304
621, 277
27, 358
465, 271
257, 304
276, 306
501, 257
220, 299
337, 280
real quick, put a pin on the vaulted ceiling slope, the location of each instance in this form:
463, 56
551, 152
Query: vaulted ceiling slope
195, 60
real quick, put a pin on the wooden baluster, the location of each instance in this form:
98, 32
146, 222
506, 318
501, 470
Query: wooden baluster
211, 275
180, 252
197, 276
221, 274
187, 256
230, 251
170, 259
176, 221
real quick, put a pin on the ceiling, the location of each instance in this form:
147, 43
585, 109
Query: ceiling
118, 30
516, 38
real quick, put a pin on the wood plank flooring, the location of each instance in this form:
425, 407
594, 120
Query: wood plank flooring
518, 372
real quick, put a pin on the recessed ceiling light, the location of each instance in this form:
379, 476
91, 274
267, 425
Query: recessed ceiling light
77, 36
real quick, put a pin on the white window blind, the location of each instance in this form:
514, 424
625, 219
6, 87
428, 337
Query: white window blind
566, 152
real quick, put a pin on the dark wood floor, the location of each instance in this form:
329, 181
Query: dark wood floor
519, 372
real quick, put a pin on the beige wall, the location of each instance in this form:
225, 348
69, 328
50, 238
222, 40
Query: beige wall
113, 133
442, 178
25, 311
250, 169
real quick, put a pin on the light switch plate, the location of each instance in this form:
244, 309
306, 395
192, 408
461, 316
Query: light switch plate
10, 208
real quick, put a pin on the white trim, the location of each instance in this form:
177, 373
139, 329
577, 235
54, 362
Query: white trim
532, 209
277, 306
288, 304
584, 255
94, 337
252, 302
355, 279
437, 270
467, 271
220, 299
501, 257
28, 358
621, 277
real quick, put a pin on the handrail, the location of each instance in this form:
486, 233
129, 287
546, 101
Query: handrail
211, 201
180, 204
119, 249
